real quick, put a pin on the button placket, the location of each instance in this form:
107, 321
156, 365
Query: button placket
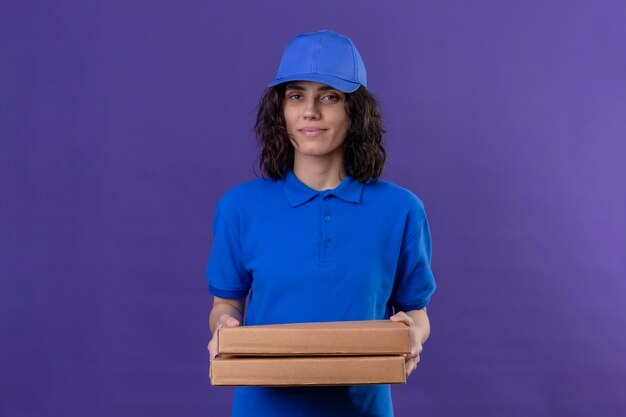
325, 218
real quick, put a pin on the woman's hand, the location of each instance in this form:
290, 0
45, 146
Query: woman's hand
225, 320
416, 335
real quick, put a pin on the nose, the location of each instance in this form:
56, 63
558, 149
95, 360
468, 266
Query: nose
311, 112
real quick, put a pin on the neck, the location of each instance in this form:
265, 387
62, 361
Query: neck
319, 174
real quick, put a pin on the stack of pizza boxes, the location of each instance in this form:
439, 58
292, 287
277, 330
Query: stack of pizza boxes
331, 353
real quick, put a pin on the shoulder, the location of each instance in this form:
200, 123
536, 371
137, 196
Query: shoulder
241, 195
393, 195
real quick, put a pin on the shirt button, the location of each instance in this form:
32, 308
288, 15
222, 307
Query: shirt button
326, 197
327, 218
327, 243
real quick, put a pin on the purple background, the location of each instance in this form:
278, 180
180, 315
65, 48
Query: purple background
122, 122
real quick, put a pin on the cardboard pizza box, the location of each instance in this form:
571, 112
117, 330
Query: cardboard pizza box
303, 371
369, 337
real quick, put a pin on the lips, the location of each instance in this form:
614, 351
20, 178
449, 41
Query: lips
311, 131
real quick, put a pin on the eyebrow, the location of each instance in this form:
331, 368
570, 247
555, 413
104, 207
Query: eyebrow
299, 87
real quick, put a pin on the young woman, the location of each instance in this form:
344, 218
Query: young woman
320, 237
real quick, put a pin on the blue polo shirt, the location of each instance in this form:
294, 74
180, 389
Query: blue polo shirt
351, 253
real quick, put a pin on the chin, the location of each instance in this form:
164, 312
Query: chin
315, 151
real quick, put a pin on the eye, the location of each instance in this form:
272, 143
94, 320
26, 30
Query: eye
294, 97
331, 97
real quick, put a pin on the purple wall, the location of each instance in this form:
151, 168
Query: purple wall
122, 122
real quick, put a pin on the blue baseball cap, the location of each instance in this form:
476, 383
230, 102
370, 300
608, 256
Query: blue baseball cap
325, 57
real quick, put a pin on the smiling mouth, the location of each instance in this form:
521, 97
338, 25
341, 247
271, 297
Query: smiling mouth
312, 132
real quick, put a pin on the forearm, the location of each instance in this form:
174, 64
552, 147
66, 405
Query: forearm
422, 324
234, 308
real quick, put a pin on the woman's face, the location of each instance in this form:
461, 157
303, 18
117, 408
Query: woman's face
316, 118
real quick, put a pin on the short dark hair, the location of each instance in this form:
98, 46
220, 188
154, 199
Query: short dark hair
364, 153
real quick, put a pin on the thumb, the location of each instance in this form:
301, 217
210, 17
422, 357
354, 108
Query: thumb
232, 322
229, 321
399, 316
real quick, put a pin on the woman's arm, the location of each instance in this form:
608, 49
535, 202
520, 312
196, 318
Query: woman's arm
419, 330
227, 313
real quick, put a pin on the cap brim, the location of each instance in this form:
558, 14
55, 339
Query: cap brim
334, 82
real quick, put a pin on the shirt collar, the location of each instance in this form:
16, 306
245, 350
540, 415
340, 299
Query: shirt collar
299, 193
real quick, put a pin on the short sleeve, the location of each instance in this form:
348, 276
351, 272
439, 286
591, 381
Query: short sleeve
414, 281
226, 274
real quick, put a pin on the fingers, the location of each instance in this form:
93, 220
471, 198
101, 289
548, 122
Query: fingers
411, 365
212, 349
225, 320
412, 359
410, 368
416, 350
415, 354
